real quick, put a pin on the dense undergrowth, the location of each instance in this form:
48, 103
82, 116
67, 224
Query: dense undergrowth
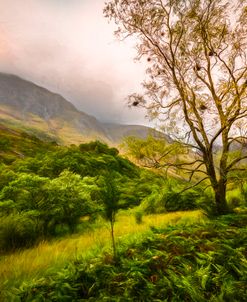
199, 262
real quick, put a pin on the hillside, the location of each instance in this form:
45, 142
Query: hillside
16, 144
39, 111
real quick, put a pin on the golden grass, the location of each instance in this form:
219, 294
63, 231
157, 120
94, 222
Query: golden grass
30, 263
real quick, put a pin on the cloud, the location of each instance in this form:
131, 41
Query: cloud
68, 47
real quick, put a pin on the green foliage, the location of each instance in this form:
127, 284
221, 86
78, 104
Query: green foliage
207, 205
235, 199
244, 193
17, 231
61, 201
168, 196
67, 198
110, 196
5, 143
58, 186
138, 216
26, 191
178, 263
89, 163
151, 152
16, 144
6, 175
98, 147
111, 200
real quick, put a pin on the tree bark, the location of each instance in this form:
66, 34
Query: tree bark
218, 185
113, 240
220, 198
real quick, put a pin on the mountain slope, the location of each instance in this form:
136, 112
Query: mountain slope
18, 144
36, 109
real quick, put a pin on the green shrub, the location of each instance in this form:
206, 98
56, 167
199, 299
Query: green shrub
5, 143
244, 193
234, 198
98, 147
138, 217
168, 199
207, 204
8, 159
18, 231
174, 201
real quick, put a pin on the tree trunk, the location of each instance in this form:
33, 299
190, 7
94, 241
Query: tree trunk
220, 198
218, 185
113, 240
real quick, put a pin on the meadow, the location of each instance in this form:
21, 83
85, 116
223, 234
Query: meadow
177, 257
35, 262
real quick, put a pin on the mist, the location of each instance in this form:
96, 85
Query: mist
69, 48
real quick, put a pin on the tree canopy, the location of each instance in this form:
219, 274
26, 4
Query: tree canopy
196, 84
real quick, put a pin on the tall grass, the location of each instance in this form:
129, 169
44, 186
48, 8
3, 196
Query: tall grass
38, 261
182, 262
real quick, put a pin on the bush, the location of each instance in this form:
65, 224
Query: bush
5, 143
138, 217
234, 199
207, 204
18, 231
167, 199
8, 159
174, 201
98, 147
244, 193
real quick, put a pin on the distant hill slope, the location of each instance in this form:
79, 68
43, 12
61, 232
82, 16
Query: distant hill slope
18, 144
37, 110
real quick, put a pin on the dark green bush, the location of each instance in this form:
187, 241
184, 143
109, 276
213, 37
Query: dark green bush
174, 201
18, 231
168, 199
5, 143
98, 147
244, 193
138, 217
207, 205
9, 159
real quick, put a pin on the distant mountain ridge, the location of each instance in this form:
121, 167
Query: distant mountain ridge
34, 108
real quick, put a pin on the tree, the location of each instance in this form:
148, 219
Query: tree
197, 77
67, 199
110, 200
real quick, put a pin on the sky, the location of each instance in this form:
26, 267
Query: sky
68, 47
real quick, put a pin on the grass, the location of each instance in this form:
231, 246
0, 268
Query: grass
183, 261
35, 262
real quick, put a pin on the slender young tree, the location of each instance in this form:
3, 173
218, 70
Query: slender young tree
196, 82
110, 196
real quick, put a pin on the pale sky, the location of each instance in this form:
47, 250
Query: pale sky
68, 47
